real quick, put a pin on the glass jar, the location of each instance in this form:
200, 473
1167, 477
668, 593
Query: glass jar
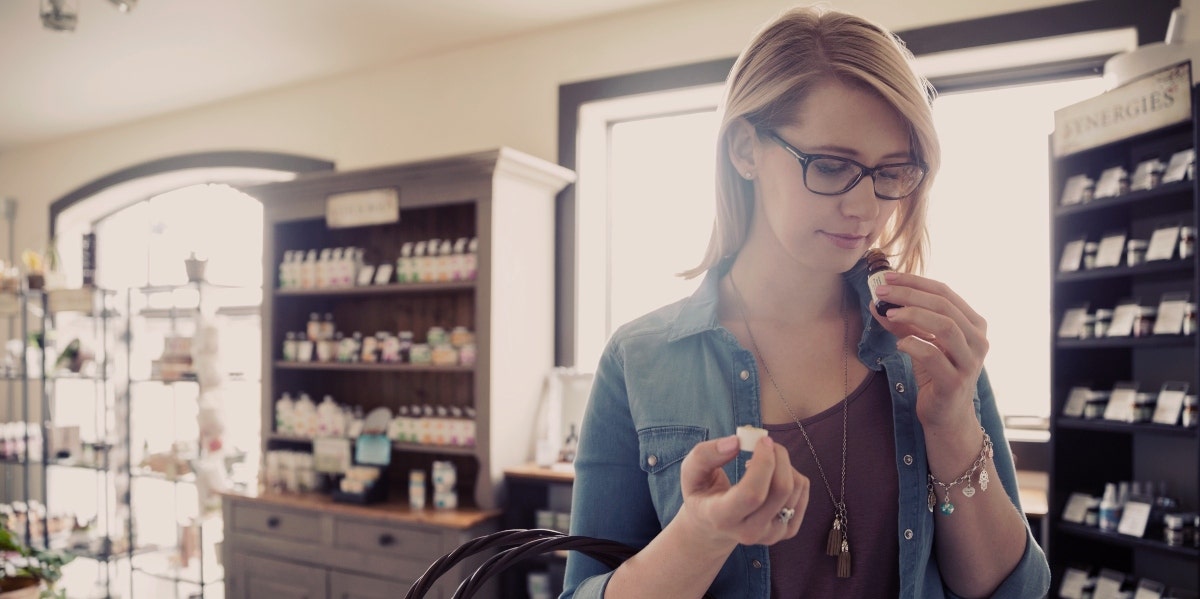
435, 336
1135, 251
289, 347
1174, 529
1191, 409
1143, 407
406, 343
1094, 408
1089, 254
1189, 318
1092, 517
1187, 242
1144, 325
1103, 318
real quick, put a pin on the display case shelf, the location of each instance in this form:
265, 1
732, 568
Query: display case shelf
388, 289
1171, 195
1119, 272
1111, 426
369, 367
1128, 342
1113, 538
450, 450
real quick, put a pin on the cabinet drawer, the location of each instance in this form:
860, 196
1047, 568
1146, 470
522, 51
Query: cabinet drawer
350, 586
292, 525
384, 539
256, 577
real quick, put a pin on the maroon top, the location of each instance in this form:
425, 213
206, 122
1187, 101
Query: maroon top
799, 566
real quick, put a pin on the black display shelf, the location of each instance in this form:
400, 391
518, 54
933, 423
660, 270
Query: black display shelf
454, 450
1118, 342
368, 367
1118, 272
1121, 540
1110, 426
1176, 194
388, 289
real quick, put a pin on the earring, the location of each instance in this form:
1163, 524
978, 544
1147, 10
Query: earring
748, 175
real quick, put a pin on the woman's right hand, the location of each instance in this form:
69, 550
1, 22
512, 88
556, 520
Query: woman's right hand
747, 513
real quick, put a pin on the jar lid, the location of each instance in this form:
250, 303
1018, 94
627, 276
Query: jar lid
1137, 244
1173, 520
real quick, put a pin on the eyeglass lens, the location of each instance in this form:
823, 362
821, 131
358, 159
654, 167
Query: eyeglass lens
829, 175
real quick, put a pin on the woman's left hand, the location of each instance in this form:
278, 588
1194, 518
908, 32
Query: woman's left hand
946, 339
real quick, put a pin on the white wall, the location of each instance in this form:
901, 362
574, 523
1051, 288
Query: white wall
500, 93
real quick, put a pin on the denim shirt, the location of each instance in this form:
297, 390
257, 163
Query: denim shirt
676, 377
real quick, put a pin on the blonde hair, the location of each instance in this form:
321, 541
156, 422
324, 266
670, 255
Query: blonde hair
785, 60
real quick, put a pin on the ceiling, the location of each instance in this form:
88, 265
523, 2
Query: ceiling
169, 55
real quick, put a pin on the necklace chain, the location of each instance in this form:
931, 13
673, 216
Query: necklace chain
839, 506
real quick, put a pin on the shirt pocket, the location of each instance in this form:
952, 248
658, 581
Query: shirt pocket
661, 449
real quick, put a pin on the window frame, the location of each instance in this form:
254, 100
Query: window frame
1149, 19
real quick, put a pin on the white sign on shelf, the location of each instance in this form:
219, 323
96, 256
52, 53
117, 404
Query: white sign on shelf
359, 208
1152, 102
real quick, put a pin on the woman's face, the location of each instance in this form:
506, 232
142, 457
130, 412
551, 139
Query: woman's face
826, 232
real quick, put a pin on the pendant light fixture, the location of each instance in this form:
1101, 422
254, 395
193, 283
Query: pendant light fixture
63, 15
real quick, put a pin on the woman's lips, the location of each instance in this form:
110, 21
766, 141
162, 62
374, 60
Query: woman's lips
846, 242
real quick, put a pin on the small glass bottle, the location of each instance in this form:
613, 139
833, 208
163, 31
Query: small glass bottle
314, 327
289, 347
1187, 242
406, 343
877, 267
1110, 508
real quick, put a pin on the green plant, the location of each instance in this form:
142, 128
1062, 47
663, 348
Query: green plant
22, 566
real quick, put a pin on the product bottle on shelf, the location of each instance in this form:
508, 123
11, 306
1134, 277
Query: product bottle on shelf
419, 262
1110, 508
324, 269
285, 411
472, 259
333, 273
445, 265
308, 270
404, 264
285, 270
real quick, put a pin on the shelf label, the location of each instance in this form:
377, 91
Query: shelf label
1151, 102
359, 208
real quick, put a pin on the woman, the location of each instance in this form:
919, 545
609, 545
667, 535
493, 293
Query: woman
885, 471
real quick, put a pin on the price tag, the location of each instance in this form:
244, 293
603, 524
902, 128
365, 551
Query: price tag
1171, 313
331, 455
1162, 244
1149, 589
1120, 403
1072, 323
1177, 168
1076, 510
1073, 189
1073, 582
1134, 517
1123, 318
1077, 401
1111, 249
383, 274
1109, 184
1108, 585
1170, 402
1143, 175
366, 273
1072, 256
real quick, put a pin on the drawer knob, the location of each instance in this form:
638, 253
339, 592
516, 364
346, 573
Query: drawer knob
386, 539
273, 522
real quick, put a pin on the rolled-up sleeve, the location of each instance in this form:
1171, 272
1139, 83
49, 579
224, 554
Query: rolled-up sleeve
1031, 576
611, 498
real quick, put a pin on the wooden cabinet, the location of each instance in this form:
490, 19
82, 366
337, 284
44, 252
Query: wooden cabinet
505, 201
252, 576
1088, 450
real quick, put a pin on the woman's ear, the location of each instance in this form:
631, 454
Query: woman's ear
743, 146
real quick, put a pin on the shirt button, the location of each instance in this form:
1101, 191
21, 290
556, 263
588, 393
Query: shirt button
652, 460
745, 374
908, 460
878, 360
900, 387
757, 564
908, 534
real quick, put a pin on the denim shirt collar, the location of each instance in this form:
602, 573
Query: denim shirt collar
698, 314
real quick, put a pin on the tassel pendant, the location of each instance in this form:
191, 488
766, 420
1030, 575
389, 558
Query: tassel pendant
835, 542
843, 570
932, 499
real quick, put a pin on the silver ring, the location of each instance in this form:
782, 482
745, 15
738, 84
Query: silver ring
786, 514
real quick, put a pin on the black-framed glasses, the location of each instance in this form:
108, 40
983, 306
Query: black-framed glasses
833, 175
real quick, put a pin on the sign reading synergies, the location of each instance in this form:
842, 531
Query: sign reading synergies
358, 208
1151, 102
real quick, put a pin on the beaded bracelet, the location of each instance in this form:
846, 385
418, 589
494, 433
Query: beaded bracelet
985, 454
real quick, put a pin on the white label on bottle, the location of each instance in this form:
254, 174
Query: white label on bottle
876, 279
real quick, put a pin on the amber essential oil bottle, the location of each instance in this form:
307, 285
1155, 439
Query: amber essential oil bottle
877, 267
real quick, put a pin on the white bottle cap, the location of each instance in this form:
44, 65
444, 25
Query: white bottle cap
748, 436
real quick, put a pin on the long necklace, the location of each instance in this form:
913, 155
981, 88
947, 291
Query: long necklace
838, 543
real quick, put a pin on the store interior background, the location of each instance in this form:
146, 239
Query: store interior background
371, 82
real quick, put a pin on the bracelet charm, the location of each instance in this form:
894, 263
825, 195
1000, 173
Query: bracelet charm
946, 507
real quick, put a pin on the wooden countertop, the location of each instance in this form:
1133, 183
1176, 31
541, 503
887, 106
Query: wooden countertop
564, 474
458, 519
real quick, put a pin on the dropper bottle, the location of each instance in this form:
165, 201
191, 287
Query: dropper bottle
877, 267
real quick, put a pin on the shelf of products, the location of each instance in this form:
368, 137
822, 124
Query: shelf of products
181, 387
408, 347
1124, 363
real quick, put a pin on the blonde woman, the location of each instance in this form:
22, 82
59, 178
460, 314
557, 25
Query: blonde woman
884, 471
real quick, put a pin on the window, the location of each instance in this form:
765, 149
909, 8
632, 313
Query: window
645, 206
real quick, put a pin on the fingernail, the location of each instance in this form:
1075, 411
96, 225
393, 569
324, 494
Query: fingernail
890, 276
727, 444
883, 290
768, 442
